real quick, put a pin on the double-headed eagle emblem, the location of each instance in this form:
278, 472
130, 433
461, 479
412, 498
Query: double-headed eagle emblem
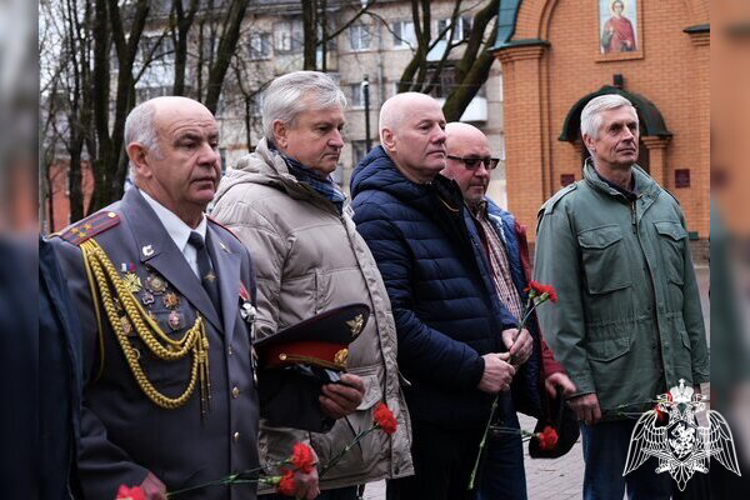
681, 445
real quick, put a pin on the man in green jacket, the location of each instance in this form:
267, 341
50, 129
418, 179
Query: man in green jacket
629, 324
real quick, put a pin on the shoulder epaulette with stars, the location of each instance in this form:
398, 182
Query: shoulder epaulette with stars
89, 227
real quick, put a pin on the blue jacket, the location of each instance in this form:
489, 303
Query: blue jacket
446, 311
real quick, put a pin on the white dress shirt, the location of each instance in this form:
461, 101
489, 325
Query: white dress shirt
178, 230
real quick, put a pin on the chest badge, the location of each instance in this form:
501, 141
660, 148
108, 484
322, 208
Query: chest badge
171, 300
132, 282
156, 284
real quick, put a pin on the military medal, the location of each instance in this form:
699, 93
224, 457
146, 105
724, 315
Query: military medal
132, 282
156, 284
147, 298
175, 320
171, 300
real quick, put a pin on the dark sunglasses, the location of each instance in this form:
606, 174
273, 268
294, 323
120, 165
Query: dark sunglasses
472, 162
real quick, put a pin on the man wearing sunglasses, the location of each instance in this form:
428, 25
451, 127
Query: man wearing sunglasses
469, 163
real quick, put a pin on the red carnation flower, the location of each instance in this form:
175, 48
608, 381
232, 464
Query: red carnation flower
533, 286
383, 418
286, 486
539, 290
547, 438
134, 493
552, 294
303, 458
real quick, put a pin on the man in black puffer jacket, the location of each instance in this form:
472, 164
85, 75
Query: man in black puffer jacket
449, 320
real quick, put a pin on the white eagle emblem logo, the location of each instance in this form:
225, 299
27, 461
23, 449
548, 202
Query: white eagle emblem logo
681, 445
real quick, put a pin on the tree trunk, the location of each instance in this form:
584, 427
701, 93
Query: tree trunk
310, 31
100, 32
323, 21
227, 45
248, 122
459, 99
109, 167
183, 23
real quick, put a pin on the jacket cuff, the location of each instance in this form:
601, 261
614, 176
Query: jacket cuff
478, 371
584, 383
549, 364
701, 376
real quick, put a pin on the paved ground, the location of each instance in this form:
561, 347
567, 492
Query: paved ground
559, 479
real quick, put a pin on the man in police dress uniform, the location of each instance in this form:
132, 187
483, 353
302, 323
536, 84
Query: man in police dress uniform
170, 399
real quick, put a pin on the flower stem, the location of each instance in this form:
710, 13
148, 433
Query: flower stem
529, 307
343, 452
237, 478
481, 444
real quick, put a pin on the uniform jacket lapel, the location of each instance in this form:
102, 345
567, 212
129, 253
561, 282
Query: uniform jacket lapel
156, 248
227, 266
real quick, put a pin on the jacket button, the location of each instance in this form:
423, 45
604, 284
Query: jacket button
236, 436
235, 392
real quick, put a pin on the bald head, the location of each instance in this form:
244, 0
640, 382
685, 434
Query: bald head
457, 133
412, 133
173, 147
468, 160
398, 107
141, 126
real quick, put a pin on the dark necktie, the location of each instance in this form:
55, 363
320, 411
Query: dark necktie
208, 277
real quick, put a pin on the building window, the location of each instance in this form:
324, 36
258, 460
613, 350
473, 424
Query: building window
260, 46
360, 37
359, 151
462, 29
403, 35
445, 83
288, 37
358, 94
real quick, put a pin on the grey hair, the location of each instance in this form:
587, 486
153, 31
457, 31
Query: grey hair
140, 127
591, 116
290, 95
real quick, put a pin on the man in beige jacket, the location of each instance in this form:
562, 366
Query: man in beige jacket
283, 205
